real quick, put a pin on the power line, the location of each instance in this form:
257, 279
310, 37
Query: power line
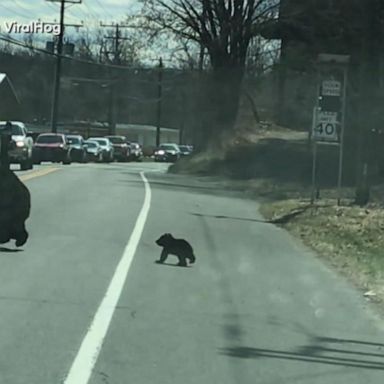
41, 50
104, 9
95, 16
21, 6
15, 12
82, 61
83, 17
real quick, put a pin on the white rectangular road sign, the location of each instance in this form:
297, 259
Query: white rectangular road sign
331, 88
325, 126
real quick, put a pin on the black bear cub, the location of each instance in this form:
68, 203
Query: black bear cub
178, 247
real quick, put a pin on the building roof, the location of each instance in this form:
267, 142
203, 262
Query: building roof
142, 128
4, 81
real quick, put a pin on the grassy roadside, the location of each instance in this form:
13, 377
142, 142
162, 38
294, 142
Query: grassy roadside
275, 167
348, 238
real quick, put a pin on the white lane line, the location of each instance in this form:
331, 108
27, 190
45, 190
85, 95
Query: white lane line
90, 348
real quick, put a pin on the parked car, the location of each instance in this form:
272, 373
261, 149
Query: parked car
185, 150
122, 149
94, 150
168, 152
107, 148
21, 150
78, 150
52, 147
136, 152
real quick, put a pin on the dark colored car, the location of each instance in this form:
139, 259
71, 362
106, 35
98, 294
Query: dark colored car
51, 147
78, 149
185, 150
168, 152
122, 150
136, 152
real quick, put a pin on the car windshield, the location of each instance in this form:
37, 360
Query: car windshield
117, 140
73, 140
49, 139
167, 147
16, 129
251, 254
102, 142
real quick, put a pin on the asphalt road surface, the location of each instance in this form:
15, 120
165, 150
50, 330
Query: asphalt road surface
84, 300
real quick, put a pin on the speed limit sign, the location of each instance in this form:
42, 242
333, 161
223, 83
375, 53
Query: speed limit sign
325, 126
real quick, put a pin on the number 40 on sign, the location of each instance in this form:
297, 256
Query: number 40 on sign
325, 126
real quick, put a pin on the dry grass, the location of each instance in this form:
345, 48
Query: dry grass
274, 164
349, 238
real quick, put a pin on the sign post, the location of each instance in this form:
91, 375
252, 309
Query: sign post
329, 113
341, 152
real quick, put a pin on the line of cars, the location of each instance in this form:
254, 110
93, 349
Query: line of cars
28, 148
171, 152
58, 147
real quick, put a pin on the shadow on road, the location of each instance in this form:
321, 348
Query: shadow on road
10, 250
173, 265
230, 218
282, 219
346, 341
318, 354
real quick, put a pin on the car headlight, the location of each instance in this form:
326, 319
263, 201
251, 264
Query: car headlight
161, 152
20, 144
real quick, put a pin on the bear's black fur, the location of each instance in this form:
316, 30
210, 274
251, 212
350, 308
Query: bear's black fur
178, 247
15, 206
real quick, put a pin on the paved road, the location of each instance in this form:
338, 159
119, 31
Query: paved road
257, 307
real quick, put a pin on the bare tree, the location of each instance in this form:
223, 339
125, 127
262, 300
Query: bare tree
225, 29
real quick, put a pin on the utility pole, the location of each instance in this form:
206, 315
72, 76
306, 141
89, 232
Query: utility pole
369, 75
182, 135
56, 89
159, 101
116, 61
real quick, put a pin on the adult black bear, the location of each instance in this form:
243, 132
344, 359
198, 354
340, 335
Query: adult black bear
178, 247
15, 202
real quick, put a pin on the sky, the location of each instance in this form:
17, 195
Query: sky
91, 12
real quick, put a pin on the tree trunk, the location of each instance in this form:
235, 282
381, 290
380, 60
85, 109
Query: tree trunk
368, 102
220, 104
253, 106
281, 84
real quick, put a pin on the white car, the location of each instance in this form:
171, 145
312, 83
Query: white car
136, 151
106, 146
21, 152
94, 151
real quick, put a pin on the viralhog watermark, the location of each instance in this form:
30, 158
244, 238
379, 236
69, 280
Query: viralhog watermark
32, 27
